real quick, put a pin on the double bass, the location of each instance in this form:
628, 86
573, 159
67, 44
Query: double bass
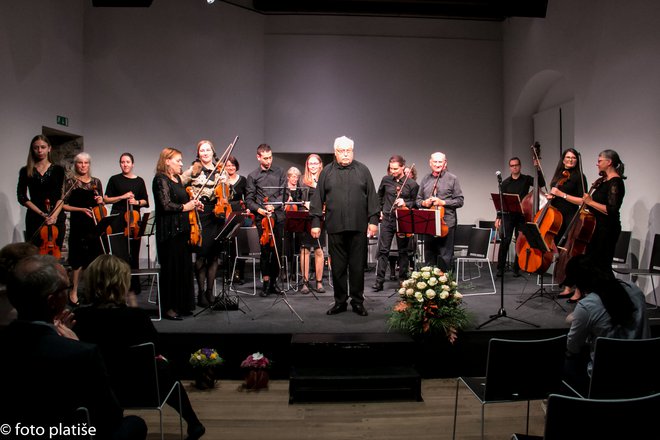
548, 220
577, 235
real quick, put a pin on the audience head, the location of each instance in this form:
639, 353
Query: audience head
12, 254
38, 288
107, 279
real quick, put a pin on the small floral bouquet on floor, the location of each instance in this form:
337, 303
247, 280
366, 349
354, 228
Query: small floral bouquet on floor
256, 360
429, 303
205, 357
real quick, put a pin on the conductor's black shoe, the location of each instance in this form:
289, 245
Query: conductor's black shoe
377, 286
359, 309
264, 289
336, 309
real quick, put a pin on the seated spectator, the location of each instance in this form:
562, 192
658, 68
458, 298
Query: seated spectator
114, 327
9, 256
609, 307
46, 374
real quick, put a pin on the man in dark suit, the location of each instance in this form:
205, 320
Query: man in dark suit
47, 374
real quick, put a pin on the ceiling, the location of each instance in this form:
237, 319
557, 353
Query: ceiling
490, 10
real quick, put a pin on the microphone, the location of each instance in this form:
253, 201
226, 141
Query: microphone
499, 176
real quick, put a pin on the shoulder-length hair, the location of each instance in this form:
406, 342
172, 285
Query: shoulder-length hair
308, 177
107, 278
560, 166
30, 157
166, 153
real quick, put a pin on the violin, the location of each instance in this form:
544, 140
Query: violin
577, 235
267, 237
548, 220
444, 229
222, 206
195, 224
49, 235
132, 217
100, 211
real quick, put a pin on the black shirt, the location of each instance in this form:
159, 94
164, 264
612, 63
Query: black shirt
349, 196
118, 185
265, 183
388, 189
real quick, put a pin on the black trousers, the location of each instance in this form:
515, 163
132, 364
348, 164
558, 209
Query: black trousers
270, 266
348, 256
387, 234
439, 251
509, 229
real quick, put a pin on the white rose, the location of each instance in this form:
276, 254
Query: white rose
402, 291
415, 275
426, 269
419, 297
430, 294
409, 292
445, 288
421, 285
454, 284
426, 275
437, 271
443, 279
458, 295
432, 281
444, 295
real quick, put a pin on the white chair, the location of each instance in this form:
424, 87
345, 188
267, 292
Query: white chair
119, 247
247, 248
477, 253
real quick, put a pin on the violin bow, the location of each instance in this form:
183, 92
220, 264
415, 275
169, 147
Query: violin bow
224, 158
59, 203
398, 194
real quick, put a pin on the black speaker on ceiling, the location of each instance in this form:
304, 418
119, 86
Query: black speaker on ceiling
122, 3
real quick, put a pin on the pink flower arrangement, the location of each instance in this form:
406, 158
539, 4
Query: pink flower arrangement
256, 360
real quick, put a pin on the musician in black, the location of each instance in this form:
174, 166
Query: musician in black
395, 191
347, 190
264, 196
440, 188
516, 183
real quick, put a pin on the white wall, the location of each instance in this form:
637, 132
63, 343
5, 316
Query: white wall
41, 76
606, 53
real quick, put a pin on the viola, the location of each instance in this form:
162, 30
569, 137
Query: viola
222, 206
49, 235
267, 237
403, 208
132, 217
577, 236
100, 211
195, 224
548, 220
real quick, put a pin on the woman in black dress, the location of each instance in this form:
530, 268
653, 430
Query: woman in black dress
172, 235
39, 181
82, 195
126, 189
238, 186
313, 167
567, 196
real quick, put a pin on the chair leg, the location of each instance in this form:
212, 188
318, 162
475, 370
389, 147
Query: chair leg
453, 435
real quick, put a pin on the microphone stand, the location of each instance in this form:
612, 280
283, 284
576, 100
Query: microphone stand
501, 313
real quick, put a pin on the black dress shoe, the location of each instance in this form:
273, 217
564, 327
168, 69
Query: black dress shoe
195, 431
274, 288
173, 317
264, 289
336, 309
377, 286
359, 309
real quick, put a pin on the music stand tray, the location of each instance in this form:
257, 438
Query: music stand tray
418, 221
297, 221
511, 203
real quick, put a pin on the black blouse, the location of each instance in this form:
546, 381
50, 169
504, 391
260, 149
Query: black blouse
40, 187
170, 197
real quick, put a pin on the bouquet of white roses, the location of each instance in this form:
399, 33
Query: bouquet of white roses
429, 303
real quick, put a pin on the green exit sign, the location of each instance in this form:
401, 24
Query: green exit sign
62, 120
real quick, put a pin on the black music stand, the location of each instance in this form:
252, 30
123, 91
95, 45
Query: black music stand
226, 237
533, 235
298, 222
511, 204
148, 229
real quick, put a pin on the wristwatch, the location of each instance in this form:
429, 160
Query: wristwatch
565, 195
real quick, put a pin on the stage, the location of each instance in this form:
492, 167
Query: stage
268, 324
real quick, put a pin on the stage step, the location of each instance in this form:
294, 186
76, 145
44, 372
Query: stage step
353, 367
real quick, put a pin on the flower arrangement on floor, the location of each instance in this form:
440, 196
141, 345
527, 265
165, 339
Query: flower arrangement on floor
429, 303
204, 362
257, 375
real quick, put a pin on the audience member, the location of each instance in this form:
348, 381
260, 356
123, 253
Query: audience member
46, 375
114, 327
611, 308
9, 256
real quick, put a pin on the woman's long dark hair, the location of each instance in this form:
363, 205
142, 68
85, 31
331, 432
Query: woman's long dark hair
591, 279
560, 166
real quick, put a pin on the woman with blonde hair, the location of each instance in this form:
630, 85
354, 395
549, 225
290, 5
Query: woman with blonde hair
114, 327
313, 167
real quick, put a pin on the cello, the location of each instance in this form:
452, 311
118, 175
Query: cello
548, 220
577, 235
49, 235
